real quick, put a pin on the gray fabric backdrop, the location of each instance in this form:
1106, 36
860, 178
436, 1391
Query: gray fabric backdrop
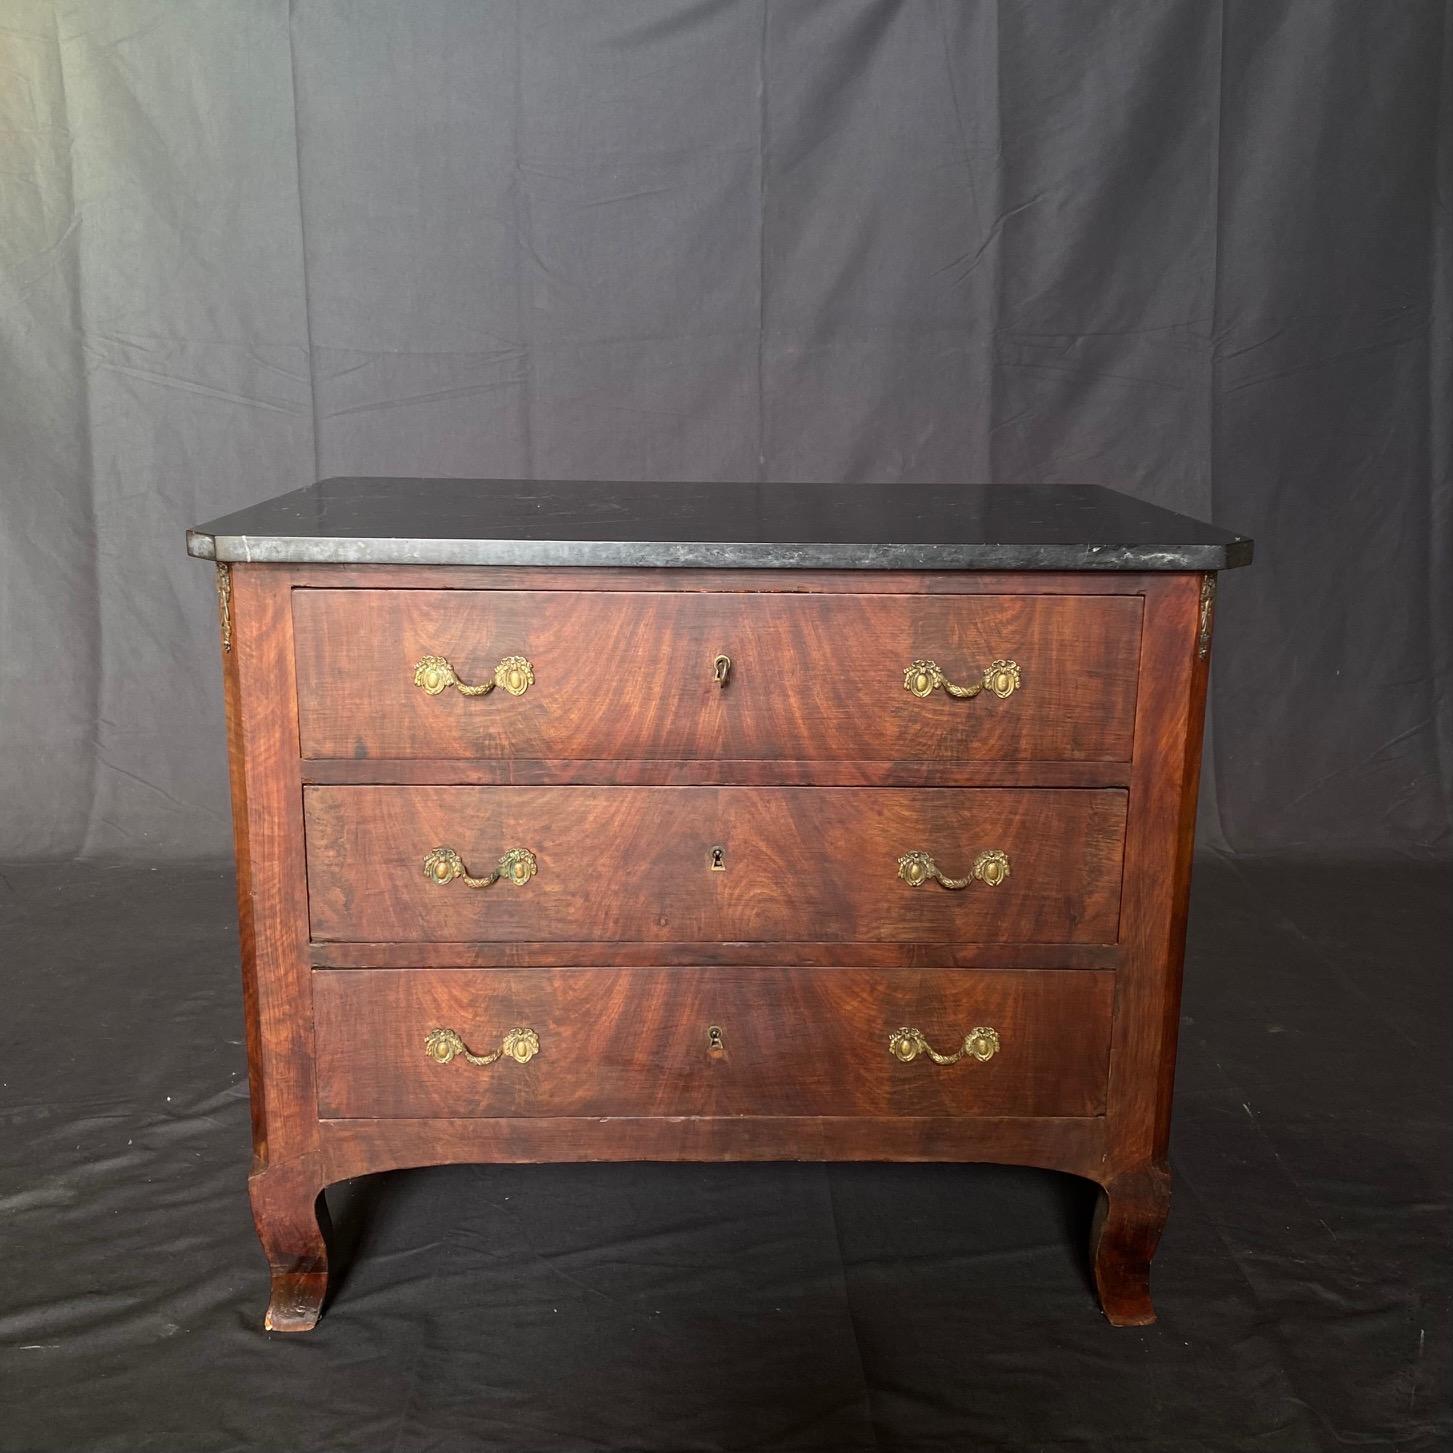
1200, 251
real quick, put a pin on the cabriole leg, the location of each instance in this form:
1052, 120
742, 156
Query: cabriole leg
292, 1224
1129, 1218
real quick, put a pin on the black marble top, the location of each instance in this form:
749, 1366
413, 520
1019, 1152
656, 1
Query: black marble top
761, 526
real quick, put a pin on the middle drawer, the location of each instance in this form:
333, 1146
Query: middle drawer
714, 864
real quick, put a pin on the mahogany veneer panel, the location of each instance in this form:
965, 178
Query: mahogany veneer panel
632, 864
659, 772
629, 675
1071, 1143
635, 1042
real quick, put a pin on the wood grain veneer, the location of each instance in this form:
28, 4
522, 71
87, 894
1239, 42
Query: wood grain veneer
633, 864
629, 675
635, 1042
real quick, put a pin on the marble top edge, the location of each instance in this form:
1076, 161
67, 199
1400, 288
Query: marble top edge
282, 549
750, 526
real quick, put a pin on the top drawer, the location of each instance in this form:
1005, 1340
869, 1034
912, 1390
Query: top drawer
634, 675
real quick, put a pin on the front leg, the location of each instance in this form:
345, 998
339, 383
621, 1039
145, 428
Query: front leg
1129, 1218
292, 1224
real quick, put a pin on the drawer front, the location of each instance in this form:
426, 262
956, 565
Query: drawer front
620, 675
637, 864
639, 1042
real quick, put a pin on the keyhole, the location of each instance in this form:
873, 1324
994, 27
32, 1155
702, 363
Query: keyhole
718, 860
714, 1045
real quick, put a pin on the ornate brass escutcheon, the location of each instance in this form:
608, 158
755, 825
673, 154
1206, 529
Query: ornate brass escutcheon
721, 670
435, 674
923, 678
990, 867
715, 1045
444, 865
444, 1045
981, 1043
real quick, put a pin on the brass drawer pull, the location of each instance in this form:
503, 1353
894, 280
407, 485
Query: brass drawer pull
991, 867
980, 1043
923, 678
434, 674
520, 1045
444, 865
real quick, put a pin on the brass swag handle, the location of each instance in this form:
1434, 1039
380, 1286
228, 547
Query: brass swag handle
990, 867
980, 1043
434, 674
520, 1045
923, 678
444, 865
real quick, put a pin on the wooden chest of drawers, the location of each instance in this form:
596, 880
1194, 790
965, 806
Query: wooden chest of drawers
712, 822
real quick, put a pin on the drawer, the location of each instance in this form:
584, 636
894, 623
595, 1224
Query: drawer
621, 675
639, 1042
639, 864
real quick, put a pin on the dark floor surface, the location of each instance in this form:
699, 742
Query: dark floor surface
1303, 1282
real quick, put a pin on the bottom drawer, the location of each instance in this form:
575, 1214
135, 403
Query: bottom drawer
392, 1042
